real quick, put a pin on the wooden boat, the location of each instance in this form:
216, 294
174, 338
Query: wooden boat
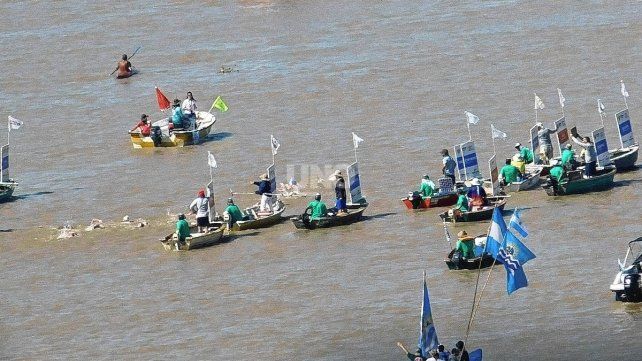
6, 190
162, 137
529, 183
436, 200
624, 158
475, 216
197, 240
458, 263
259, 221
304, 222
127, 75
574, 183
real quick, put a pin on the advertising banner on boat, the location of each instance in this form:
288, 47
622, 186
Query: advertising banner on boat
601, 148
354, 182
210, 195
4, 155
459, 158
535, 145
562, 133
494, 174
471, 166
271, 172
624, 127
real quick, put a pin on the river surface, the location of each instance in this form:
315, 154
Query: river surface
400, 76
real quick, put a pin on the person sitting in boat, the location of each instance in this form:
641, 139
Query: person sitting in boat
520, 164
526, 153
124, 67
556, 173
201, 207
568, 158
178, 120
545, 144
265, 191
427, 187
449, 165
462, 203
509, 173
443, 353
234, 213
189, 109
182, 230
590, 156
465, 245
144, 126
340, 192
463, 353
319, 209
476, 194
454, 355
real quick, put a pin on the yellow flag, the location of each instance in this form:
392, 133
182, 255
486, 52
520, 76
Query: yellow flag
219, 104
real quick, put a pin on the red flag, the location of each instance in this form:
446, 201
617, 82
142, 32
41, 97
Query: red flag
163, 102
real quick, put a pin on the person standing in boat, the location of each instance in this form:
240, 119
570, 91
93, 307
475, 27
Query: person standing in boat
319, 209
427, 187
526, 153
189, 110
265, 191
465, 245
144, 126
545, 144
182, 231
340, 192
201, 207
124, 67
509, 173
568, 158
449, 165
590, 155
178, 120
476, 194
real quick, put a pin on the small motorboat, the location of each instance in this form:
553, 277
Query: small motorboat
575, 183
162, 136
260, 220
196, 240
627, 284
624, 158
331, 220
436, 200
483, 214
6, 190
483, 260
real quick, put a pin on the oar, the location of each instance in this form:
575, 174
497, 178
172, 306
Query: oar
128, 58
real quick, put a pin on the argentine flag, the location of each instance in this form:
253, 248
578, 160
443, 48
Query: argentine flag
427, 332
495, 237
516, 223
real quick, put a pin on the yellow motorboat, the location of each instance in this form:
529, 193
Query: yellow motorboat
162, 136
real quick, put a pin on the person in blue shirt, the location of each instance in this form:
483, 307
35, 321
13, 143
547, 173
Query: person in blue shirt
449, 165
265, 191
178, 120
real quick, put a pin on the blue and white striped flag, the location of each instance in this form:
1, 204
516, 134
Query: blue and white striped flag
495, 237
516, 223
427, 332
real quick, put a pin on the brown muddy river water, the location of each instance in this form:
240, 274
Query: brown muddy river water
400, 75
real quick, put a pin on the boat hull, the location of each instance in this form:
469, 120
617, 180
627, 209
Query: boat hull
178, 138
262, 222
575, 184
304, 222
431, 202
484, 261
475, 216
530, 183
624, 158
6, 191
127, 75
197, 240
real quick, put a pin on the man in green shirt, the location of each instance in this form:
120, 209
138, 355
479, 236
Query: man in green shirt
568, 158
234, 213
427, 187
182, 230
465, 245
557, 172
462, 201
509, 173
526, 153
319, 210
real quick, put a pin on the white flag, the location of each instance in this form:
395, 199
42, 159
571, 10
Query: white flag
14, 123
600, 106
356, 140
497, 133
274, 144
472, 118
562, 99
539, 104
210, 160
623, 90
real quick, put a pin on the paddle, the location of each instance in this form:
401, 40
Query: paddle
128, 58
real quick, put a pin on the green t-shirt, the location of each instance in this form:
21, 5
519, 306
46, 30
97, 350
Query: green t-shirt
462, 203
466, 248
526, 154
234, 212
567, 155
557, 172
510, 173
319, 209
426, 190
182, 229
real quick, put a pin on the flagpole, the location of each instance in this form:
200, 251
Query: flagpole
493, 136
470, 137
355, 156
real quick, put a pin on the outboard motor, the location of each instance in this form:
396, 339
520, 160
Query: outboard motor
456, 259
632, 289
415, 199
156, 135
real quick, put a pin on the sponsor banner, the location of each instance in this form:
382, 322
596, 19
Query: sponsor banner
354, 182
459, 158
562, 133
471, 165
535, 145
601, 148
625, 129
494, 174
271, 172
4, 155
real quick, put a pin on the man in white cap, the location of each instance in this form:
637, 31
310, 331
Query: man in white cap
526, 153
340, 192
545, 144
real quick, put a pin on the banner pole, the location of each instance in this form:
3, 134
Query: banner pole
470, 137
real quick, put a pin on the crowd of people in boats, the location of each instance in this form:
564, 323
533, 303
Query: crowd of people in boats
457, 353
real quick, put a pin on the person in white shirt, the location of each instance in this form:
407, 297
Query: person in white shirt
189, 109
201, 207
